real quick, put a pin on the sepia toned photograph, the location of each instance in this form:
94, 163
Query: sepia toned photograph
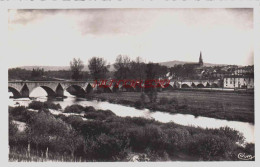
131, 85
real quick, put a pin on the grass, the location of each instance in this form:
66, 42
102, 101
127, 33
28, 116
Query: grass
223, 105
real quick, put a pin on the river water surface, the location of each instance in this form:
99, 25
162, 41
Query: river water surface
247, 129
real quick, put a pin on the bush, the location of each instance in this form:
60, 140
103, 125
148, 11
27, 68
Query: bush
74, 109
232, 134
163, 101
89, 109
20, 113
37, 105
93, 128
139, 104
211, 147
250, 149
139, 121
13, 129
51, 105
173, 101
142, 98
95, 115
177, 139
104, 147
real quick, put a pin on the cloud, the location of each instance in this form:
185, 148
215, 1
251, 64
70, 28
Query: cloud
154, 34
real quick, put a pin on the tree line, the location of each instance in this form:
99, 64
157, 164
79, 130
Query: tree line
125, 68
98, 68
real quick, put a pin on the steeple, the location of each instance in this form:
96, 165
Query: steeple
201, 60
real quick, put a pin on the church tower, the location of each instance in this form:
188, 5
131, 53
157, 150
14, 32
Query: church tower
200, 60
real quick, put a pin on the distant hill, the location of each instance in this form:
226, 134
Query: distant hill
46, 68
57, 68
176, 62
111, 68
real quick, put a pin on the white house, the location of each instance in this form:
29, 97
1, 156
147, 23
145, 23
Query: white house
239, 82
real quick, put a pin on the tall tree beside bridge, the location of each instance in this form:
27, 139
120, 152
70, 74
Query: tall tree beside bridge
98, 68
76, 66
151, 73
138, 69
122, 67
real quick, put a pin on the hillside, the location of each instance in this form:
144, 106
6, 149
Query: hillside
57, 68
111, 68
176, 62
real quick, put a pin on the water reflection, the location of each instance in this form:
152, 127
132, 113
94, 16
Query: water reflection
183, 119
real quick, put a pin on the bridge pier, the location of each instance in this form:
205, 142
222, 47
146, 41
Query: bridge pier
25, 91
59, 91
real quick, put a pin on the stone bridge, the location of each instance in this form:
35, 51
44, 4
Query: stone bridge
53, 88
81, 88
198, 84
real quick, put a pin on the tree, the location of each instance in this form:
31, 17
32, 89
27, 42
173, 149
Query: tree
98, 68
122, 66
37, 72
150, 89
138, 68
76, 66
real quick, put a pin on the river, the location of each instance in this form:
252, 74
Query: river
247, 129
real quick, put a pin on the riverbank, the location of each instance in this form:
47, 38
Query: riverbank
221, 105
103, 136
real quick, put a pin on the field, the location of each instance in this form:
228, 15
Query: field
217, 104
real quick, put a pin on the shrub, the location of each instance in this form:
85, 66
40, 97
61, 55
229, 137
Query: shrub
95, 115
232, 134
89, 109
163, 101
139, 104
156, 138
142, 97
37, 105
74, 109
177, 139
51, 105
106, 112
17, 110
174, 101
93, 128
21, 114
139, 121
250, 149
13, 129
211, 147
104, 147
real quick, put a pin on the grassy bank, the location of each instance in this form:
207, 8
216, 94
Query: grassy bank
103, 136
222, 105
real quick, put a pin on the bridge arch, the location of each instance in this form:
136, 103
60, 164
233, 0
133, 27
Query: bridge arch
200, 85
184, 86
75, 90
48, 90
214, 85
168, 86
15, 92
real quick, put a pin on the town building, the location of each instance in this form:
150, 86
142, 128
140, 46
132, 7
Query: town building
240, 82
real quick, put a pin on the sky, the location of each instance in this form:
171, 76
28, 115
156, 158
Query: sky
55, 37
